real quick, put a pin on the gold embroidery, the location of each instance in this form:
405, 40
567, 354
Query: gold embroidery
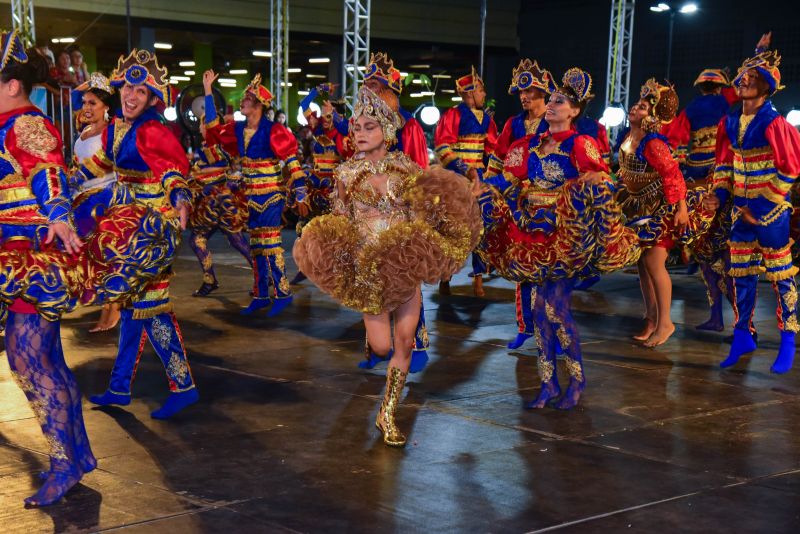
120, 129
33, 136
177, 367
744, 122
563, 337
532, 125
552, 170
546, 369
161, 332
575, 368
790, 299
591, 151
514, 157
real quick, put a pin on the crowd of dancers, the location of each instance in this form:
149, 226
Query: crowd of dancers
536, 202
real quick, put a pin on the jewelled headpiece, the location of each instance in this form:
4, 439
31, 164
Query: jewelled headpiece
381, 68
529, 75
375, 108
767, 64
663, 104
717, 76
141, 68
261, 93
576, 84
469, 82
96, 81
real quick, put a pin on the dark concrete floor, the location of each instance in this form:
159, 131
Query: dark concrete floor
283, 439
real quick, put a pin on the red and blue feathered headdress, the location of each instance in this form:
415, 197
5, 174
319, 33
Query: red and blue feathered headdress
382, 69
767, 64
13, 50
141, 68
468, 83
528, 75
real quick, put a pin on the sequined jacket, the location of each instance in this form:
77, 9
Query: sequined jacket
757, 162
532, 179
652, 170
148, 159
33, 183
260, 155
465, 139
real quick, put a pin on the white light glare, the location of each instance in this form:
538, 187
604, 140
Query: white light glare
319, 60
793, 118
429, 115
238, 116
186, 64
688, 9
163, 46
613, 116
262, 53
170, 114
301, 119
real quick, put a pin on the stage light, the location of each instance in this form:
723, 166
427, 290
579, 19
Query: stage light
429, 115
170, 114
613, 116
793, 117
688, 8
456, 99
237, 71
227, 80
294, 70
189, 72
186, 64
262, 53
163, 46
319, 60
663, 7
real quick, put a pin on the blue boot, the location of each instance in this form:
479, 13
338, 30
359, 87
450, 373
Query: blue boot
373, 359
175, 403
278, 306
419, 359
518, 341
108, 399
255, 305
743, 343
785, 357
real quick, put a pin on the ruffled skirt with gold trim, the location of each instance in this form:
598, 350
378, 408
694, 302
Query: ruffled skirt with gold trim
379, 275
654, 219
588, 237
219, 207
125, 247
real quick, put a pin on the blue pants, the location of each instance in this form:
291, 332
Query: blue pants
264, 226
166, 339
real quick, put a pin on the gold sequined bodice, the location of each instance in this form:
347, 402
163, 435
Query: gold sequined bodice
373, 208
635, 173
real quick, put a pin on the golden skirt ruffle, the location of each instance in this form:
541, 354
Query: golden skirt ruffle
218, 208
378, 276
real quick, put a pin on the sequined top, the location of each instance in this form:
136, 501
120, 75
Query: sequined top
649, 169
373, 208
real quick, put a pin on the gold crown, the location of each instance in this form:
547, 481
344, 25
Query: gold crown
374, 107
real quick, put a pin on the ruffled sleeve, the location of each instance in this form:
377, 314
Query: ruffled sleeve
446, 135
36, 145
284, 145
166, 159
659, 156
414, 144
723, 165
587, 156
785, 142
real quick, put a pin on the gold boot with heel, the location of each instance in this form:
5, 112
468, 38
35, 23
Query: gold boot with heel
395, 381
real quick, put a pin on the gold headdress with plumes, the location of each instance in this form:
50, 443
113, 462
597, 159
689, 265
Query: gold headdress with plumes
141, 68
663, 104
375, 108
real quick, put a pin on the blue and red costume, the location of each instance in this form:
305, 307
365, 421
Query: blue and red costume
217, 206
261, 152
757, 164
465, 139
152, 165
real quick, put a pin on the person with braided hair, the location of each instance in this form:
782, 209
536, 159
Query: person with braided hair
653, 197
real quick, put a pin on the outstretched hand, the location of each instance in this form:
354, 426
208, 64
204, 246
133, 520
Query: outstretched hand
209, 77
67, 235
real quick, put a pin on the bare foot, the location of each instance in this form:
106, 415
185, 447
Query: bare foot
647, 331
660, 336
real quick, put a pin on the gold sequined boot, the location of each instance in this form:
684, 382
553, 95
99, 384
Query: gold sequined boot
395, 380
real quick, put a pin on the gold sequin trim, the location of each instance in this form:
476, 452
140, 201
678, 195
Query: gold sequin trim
177, 367
574, 368
33, 136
